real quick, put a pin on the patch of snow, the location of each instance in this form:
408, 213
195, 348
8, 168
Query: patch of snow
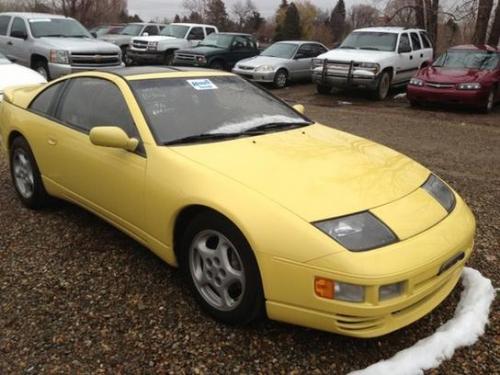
343, 103
400, 96
238, 127
467, 325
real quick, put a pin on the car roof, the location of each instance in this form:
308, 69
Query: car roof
192, 24
298, 42
476, 47
32, 15
236, 34
145, 23
387, 29
151, 72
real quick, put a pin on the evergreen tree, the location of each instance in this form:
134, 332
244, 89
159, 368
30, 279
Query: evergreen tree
291, 24
216, 14
177, 18
337, 21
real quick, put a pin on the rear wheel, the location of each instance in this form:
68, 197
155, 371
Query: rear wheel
280, 79
490, 101
221, 270
26, 175
42, 68
383, 86
323, 89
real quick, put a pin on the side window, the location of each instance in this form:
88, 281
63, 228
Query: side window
425, 40
415, 41
209, 30
305, 51
151, 30
18, 28
91, 102
161, 27
196, 33
240, 42
44, 102
318, 49
404, 43
4, 24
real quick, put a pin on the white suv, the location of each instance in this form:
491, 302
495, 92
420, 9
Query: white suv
374, 58
161, 48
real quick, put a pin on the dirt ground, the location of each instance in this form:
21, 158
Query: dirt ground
77, 296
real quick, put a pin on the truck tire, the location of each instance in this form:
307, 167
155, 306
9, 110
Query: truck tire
217, 65
383, 86
168, 59
280, 79
42, 68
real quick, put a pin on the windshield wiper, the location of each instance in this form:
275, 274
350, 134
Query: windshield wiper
347, 47
370, 48
275, 125
202, 137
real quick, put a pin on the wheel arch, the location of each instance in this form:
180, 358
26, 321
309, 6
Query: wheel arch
35, 57
12, 136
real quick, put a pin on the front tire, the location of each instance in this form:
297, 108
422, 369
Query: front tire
42, 68
383, 86
323, 89
280, 79
221, 270
490, 102
217, 65
26, 176
168, 59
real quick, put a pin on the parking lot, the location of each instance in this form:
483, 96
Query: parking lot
78, 296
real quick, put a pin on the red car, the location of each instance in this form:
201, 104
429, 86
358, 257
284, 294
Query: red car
467, 75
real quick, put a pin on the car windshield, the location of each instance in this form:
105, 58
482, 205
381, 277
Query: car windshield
377, 41
464, 59
217, 40
282, 50
57, 27
131, 29
108, 30
177, 108
177, 31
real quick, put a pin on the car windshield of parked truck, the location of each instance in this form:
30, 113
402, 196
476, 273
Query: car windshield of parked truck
176, 31
204, 108
132, 29
282, 50
217, 40
57, 27
468, 59
370, 41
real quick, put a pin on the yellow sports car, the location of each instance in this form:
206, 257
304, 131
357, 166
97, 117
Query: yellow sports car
263, 209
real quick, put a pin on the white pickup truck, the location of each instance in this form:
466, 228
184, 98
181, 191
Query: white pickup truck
160, 48
374, 58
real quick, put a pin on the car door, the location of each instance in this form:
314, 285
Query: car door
195, 36
301, 62
4, 28
18, 50
242, 47
110, 181
418, 51
405, 62
426, 46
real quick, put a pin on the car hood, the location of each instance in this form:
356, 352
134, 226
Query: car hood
116, 38
156, 38
445, 75
316, 172
80, 44
14, 75
355, 55
257, 61
205, 51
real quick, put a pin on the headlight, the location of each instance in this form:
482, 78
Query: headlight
331, 289
416, 82
201, 59
440, 191
369, 66
265, 68
469, 86
390, 291
358, 232
58, 56
152, 46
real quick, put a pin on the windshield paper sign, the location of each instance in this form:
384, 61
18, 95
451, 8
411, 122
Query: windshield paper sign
202, 84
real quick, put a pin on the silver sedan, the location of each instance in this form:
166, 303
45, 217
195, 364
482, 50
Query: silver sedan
281, 63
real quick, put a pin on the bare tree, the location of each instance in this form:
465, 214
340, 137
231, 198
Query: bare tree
483, 16
494, 37
363, 15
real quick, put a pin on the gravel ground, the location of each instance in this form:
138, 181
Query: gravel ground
77, 296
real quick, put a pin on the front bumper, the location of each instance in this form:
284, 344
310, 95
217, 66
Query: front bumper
59, 70
473, 98
145, 56
424, 287
342, 78
252, 75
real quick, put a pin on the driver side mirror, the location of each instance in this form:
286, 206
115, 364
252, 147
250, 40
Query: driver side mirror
299, 108
112, 136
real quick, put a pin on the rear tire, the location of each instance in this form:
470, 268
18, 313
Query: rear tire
221, 270
323, 89
280, 79
383, 86
26, 176
42, 68
490, 101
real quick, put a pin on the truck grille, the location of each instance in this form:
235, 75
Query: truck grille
184, 57
140, 44
95, 60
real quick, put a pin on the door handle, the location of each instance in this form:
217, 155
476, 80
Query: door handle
52, 141
421, 55
10, 43
411, 57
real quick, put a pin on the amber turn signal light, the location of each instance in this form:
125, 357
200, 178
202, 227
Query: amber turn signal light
324, 288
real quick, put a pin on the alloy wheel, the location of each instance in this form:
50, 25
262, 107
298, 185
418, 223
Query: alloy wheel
24, 177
